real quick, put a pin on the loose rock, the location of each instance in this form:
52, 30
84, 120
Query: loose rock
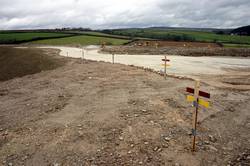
212, 148
212, 138
167, 139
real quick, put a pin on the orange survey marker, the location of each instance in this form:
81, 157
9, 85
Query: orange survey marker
197, 101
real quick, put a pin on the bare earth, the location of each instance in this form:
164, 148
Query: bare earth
95, 113
174, 49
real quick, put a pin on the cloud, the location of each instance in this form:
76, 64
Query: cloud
100, 14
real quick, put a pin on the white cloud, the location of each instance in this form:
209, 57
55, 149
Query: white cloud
20, 14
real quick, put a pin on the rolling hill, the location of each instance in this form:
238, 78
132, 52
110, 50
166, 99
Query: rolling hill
242, 31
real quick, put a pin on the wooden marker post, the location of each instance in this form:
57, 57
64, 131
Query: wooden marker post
67, 54
196, 103
82, 54
165, 60
113, 58
195, 115
103, 44
165, 68
156, 45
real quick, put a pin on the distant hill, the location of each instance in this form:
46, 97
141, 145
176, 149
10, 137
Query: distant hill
191, 29
242, 31
226, 31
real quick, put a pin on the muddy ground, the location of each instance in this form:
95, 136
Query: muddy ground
96, 113
178, 50
16, 62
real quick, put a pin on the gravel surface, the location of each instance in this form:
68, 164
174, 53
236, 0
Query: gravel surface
96, 113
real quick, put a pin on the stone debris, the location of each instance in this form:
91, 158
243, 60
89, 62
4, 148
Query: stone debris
167, 139
212, 138
212, 148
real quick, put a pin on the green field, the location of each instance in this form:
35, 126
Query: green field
82, 40
236, 45
182, 35
120, 36
212, 37
56, 38
92, 33
13, 37
101, 34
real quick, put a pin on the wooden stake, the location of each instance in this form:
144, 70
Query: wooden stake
82, 54
165, 68
195, 115
113, 58
103, 44
156, 45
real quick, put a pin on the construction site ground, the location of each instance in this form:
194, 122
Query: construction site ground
95, 113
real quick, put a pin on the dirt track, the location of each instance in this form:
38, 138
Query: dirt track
96, 113
178, 50
174, 44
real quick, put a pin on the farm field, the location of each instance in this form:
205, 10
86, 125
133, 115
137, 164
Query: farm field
120, 37
82, 40
236, 45
181, 35
76, 38
100, 34
103, 34
12, 37
212, 37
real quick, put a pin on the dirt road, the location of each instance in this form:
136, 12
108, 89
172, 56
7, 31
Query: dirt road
95, 113
159, 43
179, 50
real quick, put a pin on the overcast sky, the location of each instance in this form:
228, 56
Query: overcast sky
100, 14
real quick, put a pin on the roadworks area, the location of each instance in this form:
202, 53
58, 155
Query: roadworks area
83, 112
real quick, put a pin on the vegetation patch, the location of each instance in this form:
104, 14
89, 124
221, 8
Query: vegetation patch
236, 45
83, 40
181, 35
22, 37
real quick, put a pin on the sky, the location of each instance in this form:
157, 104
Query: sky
108, 14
